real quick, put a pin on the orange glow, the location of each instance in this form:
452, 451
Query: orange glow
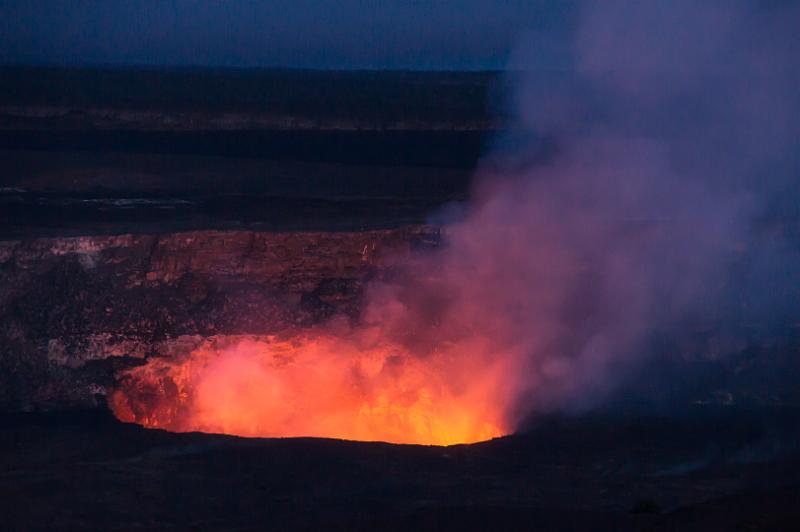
318, 385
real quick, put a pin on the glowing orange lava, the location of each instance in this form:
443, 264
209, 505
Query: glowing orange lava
317, 386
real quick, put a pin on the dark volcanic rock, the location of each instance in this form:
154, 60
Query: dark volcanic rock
227, 99
75, 310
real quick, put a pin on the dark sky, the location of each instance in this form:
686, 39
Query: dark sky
431, 34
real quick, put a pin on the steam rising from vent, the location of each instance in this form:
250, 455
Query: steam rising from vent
675, 131
668, 142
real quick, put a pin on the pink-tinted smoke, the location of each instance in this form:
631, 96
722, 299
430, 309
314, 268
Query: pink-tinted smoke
672, 131
667, 136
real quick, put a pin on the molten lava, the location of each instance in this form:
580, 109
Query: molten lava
318, 385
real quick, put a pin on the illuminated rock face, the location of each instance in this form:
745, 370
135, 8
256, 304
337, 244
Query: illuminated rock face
77, 311
79, 315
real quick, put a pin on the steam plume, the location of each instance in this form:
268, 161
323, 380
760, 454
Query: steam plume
638, 187
672, 135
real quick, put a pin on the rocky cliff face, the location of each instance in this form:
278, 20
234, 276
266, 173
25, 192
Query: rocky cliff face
69, 118
74, 311
77, 311
163, 99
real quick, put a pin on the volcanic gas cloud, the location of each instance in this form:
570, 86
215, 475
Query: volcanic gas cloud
668, 134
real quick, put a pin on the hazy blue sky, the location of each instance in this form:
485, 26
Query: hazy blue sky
296, 33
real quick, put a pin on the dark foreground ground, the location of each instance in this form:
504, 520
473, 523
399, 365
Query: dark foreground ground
707, 469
